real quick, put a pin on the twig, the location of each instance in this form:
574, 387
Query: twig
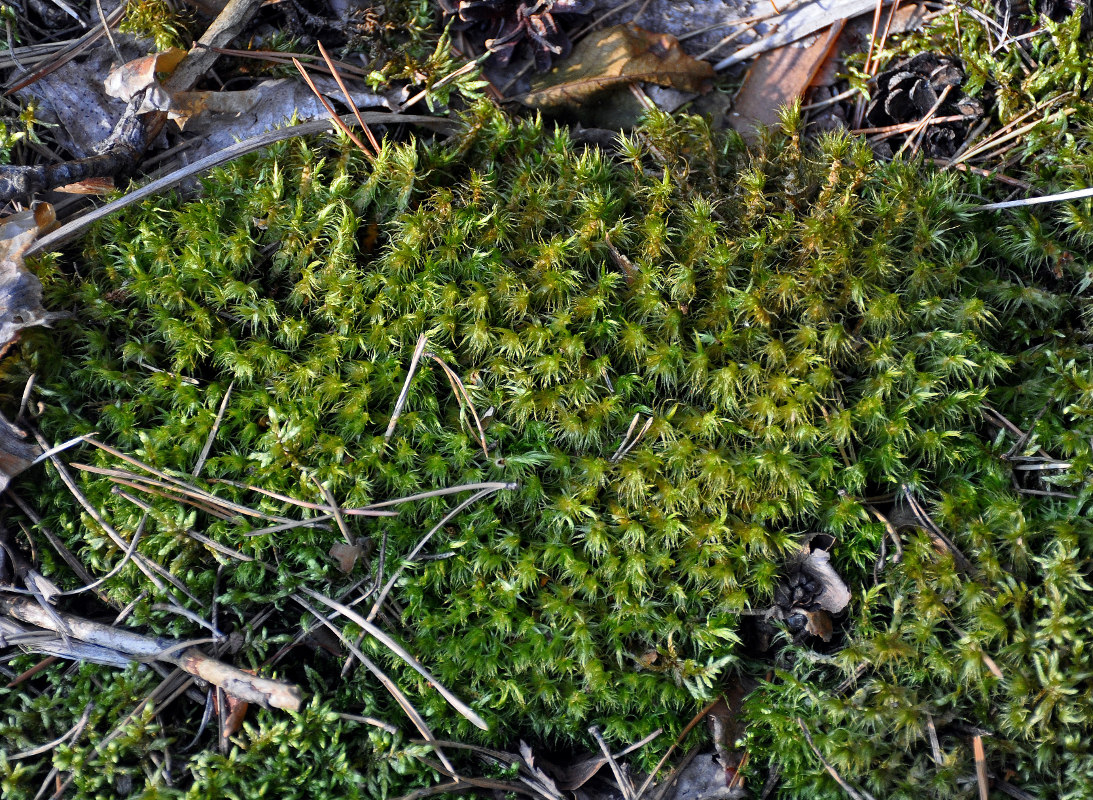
136, 647
981, 767
850, 790
228, 25
401, 401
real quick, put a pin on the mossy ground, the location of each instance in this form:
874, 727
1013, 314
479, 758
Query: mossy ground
806, 327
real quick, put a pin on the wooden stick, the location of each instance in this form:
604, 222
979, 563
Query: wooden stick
135, 647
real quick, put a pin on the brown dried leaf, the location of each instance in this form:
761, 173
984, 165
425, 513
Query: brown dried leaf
817, 622
95, 186
20, 291
817, 563
134, 77
615, 56
777, 78
346, 555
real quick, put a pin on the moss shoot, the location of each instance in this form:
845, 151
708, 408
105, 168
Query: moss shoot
810, 331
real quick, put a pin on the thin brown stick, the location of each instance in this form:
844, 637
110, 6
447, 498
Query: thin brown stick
349, 99
981, 768
330, 110
690, 726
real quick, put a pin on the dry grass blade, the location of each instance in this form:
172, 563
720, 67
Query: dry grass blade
150, 568
401, 652
466, 487
212, 434
287, 526
400, 698
178, 485
468, 67
284, 498
72, 733
66, 555
402, 395
912, 140
420, 545
279, 57
850, 790
464, 398
349, 98
62, 57
935, 745
375, 723
330, 110
335, 510
981, 150
179, 491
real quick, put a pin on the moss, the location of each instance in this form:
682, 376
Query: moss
805, 327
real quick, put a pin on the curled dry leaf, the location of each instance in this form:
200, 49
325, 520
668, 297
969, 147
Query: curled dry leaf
834, 595
617, 56
817, 622
346, 555
134, 77
20, 307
